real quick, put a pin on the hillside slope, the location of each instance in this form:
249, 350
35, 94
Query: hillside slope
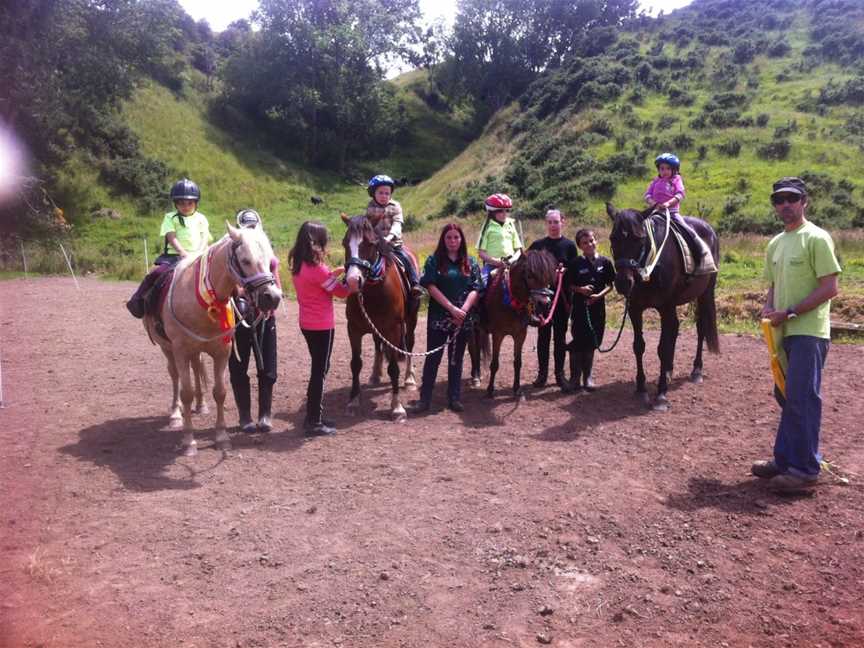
743, 92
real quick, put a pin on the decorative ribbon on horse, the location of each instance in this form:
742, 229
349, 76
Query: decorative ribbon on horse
219, 312
778, 356
549, 317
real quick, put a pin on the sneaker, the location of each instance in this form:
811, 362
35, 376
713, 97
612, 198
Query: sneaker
318, 429
789, 483
457, 406
765, 469
265, 424
247, 426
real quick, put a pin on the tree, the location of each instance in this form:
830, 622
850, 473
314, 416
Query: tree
313, 72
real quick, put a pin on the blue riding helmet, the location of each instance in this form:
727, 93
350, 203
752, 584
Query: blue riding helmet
185, 189
668, 158
379, 181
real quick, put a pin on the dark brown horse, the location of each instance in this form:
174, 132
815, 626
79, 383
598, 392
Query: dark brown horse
382, 308
667, 287
526, 284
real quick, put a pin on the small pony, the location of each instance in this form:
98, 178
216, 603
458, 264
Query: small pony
518, 295
381, 306
195, 316
667, 287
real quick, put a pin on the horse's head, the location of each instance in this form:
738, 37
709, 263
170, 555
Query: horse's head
536, 271
249, 262
362, 248
629, 245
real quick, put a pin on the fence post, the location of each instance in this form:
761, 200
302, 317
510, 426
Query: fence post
146, 258
69, 263
24, 259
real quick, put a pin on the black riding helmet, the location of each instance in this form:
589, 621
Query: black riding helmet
185, 189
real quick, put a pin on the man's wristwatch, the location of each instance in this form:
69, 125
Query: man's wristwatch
791, 314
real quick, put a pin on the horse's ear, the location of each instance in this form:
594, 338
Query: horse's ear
233, 232
645, 214
610, 209
345, 218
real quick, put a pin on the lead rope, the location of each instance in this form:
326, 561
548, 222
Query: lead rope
555, 300
594, 333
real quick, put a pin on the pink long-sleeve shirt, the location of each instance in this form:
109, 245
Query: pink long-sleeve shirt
315, 289
662, 189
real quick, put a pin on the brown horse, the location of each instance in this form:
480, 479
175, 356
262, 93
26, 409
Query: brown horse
380, 306
668, 286
194, 318
526, 283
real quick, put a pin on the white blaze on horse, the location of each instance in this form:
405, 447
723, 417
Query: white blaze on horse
196, 316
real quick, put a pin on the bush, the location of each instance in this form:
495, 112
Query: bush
666, 121
143, 178
762, 120
776, 150
730, 148
778, 48
682, 141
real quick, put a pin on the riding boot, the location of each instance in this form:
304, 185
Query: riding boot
138, 303
575, 370
587, 366
265, 401
244, 403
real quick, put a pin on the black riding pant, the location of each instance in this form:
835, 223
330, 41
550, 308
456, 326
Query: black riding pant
265, 333
320, 345
557, 328
455, 353
406, 262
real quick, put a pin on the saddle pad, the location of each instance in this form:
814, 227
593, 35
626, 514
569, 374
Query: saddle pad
686, 254
160, 290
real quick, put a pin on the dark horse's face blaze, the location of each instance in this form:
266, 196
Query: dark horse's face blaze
628, 240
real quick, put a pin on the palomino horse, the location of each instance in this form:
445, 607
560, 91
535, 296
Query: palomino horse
380, 305
526, 283
196, 318
667, 287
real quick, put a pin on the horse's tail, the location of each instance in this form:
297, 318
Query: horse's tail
706, 316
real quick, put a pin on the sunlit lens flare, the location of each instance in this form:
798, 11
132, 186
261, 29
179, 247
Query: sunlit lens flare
11, 165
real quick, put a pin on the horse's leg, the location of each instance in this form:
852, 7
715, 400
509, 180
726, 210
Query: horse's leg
639, 351
410, 379
518, 341
220, 361
474, 352
353, 406
666, 352
378, 364
200, 374
189, 445
497, 338
175, 420
397, 412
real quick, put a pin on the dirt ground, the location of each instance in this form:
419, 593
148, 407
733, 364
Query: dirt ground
580, 520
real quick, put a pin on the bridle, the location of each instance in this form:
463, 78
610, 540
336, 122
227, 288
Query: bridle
642, 266
251, 284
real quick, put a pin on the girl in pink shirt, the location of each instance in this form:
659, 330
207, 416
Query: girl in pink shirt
666, 191
315, 286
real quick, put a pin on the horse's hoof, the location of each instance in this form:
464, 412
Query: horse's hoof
175, 423
352, 408
660, 407
399, 417
696, 378
224, 446
190, 450
644, 397
203, 408
475, 382
520, 397
410, 386
374, 380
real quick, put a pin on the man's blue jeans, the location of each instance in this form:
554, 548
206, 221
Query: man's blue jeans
796, 449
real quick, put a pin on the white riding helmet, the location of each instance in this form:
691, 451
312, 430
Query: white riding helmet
248, 218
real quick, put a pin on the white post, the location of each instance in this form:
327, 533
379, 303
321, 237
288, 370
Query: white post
146, 258
24, 259
69, 263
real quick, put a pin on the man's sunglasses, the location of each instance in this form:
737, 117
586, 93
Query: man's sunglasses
792, 199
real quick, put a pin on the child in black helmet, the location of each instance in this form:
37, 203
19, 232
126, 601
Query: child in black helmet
260, 338
186, 232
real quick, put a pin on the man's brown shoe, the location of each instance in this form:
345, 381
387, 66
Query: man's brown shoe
792, 484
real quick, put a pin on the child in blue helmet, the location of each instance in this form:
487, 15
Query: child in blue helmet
186, 232
382, 208
666, 191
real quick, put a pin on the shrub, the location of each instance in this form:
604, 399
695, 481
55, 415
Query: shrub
776, 150
701, 152
666, 121
141, 177
778, 48
762, 120
682, 141
730, 148
602, 126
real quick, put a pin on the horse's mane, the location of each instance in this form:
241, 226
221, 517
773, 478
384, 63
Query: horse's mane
362, 226
541, 264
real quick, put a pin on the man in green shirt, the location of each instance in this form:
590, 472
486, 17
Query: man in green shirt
802, 274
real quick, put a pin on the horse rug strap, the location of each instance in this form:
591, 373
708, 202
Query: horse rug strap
219, 312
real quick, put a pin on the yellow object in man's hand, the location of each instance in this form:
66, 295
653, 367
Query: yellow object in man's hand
776, 366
